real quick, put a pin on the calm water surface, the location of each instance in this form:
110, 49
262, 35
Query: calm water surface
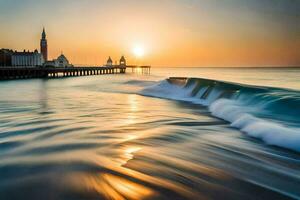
130, 137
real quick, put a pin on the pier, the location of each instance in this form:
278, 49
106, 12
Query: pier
140, 69
7, 73
34, 64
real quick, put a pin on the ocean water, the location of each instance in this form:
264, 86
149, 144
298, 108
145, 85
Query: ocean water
210, 133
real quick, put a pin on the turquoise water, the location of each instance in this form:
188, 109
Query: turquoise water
226, 134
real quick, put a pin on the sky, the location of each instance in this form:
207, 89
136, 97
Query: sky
185, 33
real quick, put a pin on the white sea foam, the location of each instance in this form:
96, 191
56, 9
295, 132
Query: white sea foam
270, 132
241, 115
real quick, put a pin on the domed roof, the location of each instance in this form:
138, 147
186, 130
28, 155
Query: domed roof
109, 60
122, 59
62, 56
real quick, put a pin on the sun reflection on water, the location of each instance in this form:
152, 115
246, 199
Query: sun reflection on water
129, 153
117, 188
133, 108
122, 183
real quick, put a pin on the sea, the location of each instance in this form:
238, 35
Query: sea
176, 133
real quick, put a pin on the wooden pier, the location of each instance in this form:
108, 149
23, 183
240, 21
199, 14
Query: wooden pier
139, 69
7, 73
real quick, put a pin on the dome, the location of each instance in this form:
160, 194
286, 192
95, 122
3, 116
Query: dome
62, 56
122, 59
109, 60
62, 59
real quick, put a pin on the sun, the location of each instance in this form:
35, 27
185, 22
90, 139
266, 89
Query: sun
138, 51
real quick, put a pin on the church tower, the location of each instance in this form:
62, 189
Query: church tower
44, 46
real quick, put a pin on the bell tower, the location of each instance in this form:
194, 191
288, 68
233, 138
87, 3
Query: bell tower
44, 46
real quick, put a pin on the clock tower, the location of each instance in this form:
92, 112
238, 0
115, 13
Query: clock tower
44, 46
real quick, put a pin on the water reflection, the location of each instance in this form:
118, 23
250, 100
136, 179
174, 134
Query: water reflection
129, 153
133, 109
117, 188
111, 145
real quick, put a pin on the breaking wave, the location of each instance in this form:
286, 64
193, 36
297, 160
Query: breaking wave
270, 114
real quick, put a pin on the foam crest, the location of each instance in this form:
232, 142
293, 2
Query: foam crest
270, 132
273, 134
247, 108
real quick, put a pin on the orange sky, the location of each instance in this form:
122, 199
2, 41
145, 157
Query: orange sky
173, 33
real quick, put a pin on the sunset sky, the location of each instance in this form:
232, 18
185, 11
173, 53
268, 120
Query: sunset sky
170, 32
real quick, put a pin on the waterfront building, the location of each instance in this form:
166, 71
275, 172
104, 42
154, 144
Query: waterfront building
26, 59
31, 59
44, 46
123, 61
50, 63
109, 62
5, 57
61, 62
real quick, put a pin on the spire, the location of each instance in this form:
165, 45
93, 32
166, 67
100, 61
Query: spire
44, 33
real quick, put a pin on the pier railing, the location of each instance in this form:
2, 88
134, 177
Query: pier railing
7, 73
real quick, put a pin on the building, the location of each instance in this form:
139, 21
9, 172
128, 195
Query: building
50, 63
109, 62
32, 59
123, 61
26, 59
44, 46
5, 57
61, 62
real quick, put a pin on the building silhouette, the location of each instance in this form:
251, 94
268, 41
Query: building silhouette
44, 46
61, 62
123, 61
109, 62
26, 59
5, 57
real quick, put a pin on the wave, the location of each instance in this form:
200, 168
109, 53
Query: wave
270, 114
139, 82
